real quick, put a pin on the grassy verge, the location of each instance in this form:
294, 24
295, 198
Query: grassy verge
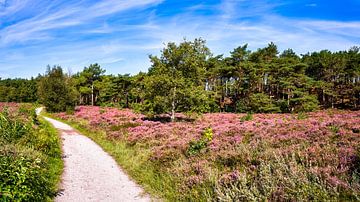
134, 161
55, 162
30, 156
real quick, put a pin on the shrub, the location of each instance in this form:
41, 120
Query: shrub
302, 116
23, 175
30, 156
196, 146
247, 117
11, 130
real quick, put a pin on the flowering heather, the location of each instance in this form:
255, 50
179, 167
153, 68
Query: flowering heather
323, 146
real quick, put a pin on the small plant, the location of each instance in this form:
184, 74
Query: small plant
11, 130
196, 146
302, 116
334, 128
70, 111
247, 117
208, 134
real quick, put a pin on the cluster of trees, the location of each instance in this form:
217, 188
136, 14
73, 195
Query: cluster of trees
18, 90
187, 77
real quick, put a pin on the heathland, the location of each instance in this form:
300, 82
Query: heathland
226, 156
252, 126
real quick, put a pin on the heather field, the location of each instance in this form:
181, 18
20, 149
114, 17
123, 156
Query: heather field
226, 156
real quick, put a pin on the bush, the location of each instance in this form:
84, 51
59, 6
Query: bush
196, 146
23, 175
30, 157
247, 117
11, 130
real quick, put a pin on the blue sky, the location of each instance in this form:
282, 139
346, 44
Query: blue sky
120, 34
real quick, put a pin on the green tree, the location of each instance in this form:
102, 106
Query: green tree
172, 77
55, 91
86, 83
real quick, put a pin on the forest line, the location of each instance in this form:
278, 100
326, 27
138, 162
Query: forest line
187, 77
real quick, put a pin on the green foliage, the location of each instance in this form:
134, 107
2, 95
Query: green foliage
302, 116
55, 91
306, 103
89, 82
187, 77
261, 103
199, 101
11, 130
334, 129
18, 90
23, 175
30, 157
195, 147
175, 79
247, 117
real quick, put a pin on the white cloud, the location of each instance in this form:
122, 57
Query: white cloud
123, 46
224, 33
36, 27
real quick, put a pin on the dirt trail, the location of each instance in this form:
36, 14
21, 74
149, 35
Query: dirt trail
90, 174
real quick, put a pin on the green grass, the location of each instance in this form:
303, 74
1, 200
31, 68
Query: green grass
55, 162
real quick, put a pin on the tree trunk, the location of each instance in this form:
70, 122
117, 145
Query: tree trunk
173, 106
288, 97
127, 100
92, 94
226, 88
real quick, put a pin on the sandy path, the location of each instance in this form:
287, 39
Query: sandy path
90, 174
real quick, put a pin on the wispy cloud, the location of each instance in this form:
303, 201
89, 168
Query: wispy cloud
9, 7
121, 34
258, 27
76, 14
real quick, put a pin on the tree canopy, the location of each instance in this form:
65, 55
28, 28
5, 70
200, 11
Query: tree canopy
187, 77
55, 90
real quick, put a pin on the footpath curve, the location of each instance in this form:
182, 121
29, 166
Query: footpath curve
90, 174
